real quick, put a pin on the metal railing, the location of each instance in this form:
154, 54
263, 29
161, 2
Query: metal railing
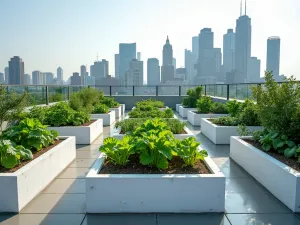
45, 94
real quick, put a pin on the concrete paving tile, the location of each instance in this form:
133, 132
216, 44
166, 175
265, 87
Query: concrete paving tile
118, 219
244, 185
87, 154
234, 171
263, 219
82, 163
56, 203
93, 147
73, 173
42, 219
69, 186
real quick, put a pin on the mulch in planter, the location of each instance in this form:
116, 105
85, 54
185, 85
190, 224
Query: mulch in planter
176, 166
292, 162
35, 155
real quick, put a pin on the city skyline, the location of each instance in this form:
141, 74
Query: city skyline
180, 40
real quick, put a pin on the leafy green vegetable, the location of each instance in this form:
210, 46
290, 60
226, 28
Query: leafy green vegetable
149, 103
152, 112
109, 102
204, 105
100, 108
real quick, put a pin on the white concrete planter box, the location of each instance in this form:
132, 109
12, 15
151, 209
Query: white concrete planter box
155, 193
19, 188
108, 118
84, 135
123, 109
221, 134
195, 118
177, 107
161, 109
281, 180
118, 111
183, 111
189, 133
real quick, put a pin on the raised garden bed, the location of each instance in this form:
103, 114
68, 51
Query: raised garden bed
108, 118
20, 187
118, 111
195, 118
183, 111
83, 134
280, 179
177, 107
154, 193
123, 109
221, 134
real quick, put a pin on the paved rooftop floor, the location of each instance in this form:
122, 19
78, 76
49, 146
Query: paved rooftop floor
63, 201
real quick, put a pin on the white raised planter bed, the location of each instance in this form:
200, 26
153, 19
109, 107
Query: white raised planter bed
108, 118
221, 134
161, 109
195, 119
83, 134
155, 193
188, 133
19, 188
123, 109
118, 111
281, 180
177, 107
183, 111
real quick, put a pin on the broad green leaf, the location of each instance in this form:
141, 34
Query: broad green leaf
9, 161
290, 152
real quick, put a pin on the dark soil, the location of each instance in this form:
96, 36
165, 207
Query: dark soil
35, 155
293, 163
176, 166
182, 132
87, 124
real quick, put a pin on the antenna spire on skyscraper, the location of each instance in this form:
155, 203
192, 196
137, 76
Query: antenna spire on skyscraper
245, 7
241, 8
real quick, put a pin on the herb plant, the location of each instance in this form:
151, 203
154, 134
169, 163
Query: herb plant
109, 102
204, 105
193, 96
150, 102
100, 108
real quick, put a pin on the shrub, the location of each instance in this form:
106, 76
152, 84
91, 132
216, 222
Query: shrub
100, 108
152, 112
38, 112
85, 99
109, 102
168, 113
55, 97
204, 105
150, 102
233, 107
249, 115
193, 96
226, 121
219, 108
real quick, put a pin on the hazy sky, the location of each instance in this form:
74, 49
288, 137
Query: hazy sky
69, 33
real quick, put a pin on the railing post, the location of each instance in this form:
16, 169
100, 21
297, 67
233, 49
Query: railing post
68, 93
156, 90
227, 91
132, 90
205, 89
109, 90
47, 96
179, 90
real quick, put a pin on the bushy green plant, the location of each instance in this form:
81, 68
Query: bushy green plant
187, 149
30, 134
109, 102
168, 113
193, 96
118, 151
11, 105
152, 112
100, 108
38, 112
219, 108
12, 154
61, 114
150, 102
233, 107
56, 97
204, 105
226, 121
249, 115
85, 99
175, 125
152, 126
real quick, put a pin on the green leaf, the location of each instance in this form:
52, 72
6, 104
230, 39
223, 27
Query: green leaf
290, 152
10, 161
146, 159
162, 163
266, 147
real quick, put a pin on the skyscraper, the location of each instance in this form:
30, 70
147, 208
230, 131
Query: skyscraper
229, 51
273, 56
60, 75
190, 59
135, 74
253, 70
75, 79
16, 70
195, 46
99, 70
117, 65
2, 80
48, 78
6, 75
82, 70
153, 72
27, 79
242, 46
127, 52
167, 69
37, 77
139, 56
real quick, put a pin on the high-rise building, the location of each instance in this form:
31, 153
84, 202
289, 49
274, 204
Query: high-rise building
253, 70
153, 72
167, 69
99, 70
190, 59
88, 81
273, 56
6, 75
127, 52
2, 80
16, 70
229, 51
135, 74
242, 46
82, 70
37, 77
27, 79
60, 75
181, 74
48, 78
195, 46
75, 79
139, 56
117, 65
